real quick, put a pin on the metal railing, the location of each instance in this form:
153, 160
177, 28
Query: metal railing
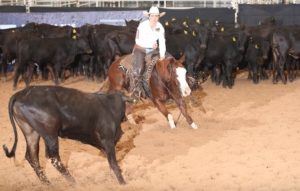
13, 2
139, 3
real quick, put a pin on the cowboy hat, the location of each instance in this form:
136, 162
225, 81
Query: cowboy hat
153, 11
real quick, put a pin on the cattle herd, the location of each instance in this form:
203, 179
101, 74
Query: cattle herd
211, 48
215, 49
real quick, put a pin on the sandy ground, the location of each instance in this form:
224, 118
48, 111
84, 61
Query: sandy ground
248, 139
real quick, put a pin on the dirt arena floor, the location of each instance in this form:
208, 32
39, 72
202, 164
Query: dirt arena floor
248, 139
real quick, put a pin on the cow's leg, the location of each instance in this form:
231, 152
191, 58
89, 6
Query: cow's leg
289, 68
57, 73
53, 75
45, 72
16, 75
292, 76
264, 74
91, 69
275, 64
295, 68
250, 69
281, 66
32, 153
62, 72
218, 74
86, 71
228, 76
3, 63
109, 147
28, 76
52, 152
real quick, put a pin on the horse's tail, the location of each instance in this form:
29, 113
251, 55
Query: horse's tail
104, 85
11, 153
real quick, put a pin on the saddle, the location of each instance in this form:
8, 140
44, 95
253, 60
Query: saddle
126, 64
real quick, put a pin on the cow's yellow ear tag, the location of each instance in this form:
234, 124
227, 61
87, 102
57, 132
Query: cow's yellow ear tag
233, 39
194, 34
198, 21
256, 46
167, 23
74, 37
74, 31
185, 32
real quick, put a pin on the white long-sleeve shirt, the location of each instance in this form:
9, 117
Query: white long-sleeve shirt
146, 37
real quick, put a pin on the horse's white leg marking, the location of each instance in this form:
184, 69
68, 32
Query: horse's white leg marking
194, 126
171, 121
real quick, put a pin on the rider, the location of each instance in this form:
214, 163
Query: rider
150, 36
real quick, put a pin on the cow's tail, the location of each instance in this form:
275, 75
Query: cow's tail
11, 153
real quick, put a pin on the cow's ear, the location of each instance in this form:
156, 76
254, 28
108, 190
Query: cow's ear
233, 39
182, 59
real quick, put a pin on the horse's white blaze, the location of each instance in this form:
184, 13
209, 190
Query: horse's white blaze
194, 126
181, 77
171, 121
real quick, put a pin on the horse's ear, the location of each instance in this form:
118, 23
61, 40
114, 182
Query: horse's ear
182, 59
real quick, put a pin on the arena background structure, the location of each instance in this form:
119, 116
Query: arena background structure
285, 14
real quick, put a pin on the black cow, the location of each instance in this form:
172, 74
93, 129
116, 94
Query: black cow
9, 39
224, 52
52, 111
256, 57
55, 53
52, 31
285, 44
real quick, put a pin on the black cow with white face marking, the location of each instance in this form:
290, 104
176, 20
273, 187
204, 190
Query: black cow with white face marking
52, 111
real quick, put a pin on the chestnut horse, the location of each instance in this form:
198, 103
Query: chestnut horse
167, 81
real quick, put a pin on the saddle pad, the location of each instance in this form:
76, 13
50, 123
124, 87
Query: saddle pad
126, 62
